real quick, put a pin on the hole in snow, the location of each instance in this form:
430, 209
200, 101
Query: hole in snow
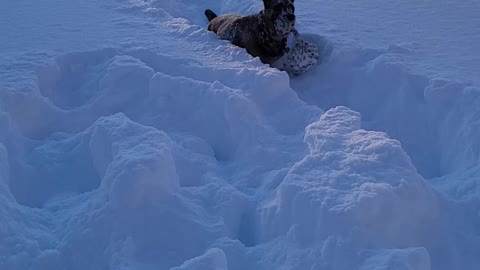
246, 231
52, 170
73, 80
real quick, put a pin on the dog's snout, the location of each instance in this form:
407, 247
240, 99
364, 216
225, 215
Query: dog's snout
290, 17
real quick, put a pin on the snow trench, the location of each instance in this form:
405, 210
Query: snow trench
137, 158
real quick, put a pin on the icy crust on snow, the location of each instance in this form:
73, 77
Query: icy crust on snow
146, 156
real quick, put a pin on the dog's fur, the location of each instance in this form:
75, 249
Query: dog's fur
301, 55
263, 34
267, 35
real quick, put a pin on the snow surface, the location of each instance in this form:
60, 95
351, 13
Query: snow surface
132, 138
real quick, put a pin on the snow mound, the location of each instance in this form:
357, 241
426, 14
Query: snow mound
132, 138
434, 118
213, 259
414, 258
356, 175
108, 139
362, 188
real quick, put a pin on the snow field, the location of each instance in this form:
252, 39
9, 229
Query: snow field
189, 154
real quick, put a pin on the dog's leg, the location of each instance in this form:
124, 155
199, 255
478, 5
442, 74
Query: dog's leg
210, 14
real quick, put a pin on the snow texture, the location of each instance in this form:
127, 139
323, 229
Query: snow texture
132, 138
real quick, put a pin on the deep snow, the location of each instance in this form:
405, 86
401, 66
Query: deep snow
131, 138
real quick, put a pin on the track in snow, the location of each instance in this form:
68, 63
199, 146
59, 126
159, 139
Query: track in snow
179, 151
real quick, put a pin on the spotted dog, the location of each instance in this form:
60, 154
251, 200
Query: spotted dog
269, 35
300, 55
263, 35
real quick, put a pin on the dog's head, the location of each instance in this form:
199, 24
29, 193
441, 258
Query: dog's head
282, 14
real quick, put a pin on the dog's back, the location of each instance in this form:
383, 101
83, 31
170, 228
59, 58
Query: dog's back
246, 32
226, 27
223, 25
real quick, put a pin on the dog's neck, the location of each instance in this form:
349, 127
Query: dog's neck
277, 43
268, 28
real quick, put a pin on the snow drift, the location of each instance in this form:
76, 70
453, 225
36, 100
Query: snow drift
175, 150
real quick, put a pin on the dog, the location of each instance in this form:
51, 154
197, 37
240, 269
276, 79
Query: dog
263, 35
300, 57
269, 35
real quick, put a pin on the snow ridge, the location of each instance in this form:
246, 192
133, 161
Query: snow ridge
180, 151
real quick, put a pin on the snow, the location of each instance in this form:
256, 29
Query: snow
213, 259
132, 138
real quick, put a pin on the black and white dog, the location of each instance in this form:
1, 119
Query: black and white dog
269, 35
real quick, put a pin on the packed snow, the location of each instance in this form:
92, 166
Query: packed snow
132, 138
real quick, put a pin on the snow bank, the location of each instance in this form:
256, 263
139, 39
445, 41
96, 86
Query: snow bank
414, 258
361, 187
160, 146
212, 259
107, 140
355, 175
433, 118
